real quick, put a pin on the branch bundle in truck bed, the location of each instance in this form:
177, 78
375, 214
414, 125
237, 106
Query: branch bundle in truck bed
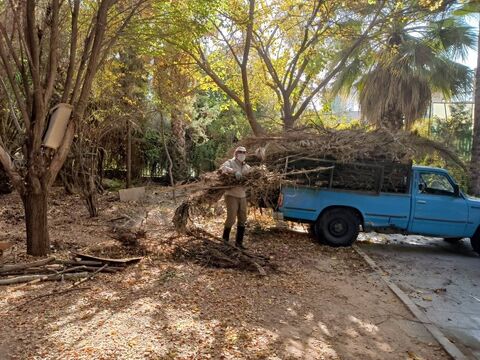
377, 177
355, 159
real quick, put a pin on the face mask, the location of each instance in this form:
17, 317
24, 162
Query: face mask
241, 157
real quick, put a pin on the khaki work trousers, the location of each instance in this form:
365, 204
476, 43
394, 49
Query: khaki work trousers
236, 209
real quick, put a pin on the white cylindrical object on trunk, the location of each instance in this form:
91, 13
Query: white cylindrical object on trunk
57, 125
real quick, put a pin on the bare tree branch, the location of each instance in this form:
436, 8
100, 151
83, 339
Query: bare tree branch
88, 43
9, 168
14, 85
341, 63
12, 107
237, 60
304, 44
51, 73
73, 51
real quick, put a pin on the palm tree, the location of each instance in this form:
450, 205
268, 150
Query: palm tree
395, 83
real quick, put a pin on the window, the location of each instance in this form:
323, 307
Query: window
437, 184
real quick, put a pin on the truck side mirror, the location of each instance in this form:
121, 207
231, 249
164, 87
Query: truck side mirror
456, 189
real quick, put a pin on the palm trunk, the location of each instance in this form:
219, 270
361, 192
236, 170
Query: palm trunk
36, 206
392, 119
475, 159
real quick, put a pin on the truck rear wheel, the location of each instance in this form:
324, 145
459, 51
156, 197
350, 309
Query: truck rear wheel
312, 232
475, 241
337, 227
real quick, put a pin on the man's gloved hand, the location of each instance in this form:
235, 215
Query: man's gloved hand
238, 175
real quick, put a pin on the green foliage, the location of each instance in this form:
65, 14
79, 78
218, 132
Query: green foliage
455, 133
152, 147
215, 127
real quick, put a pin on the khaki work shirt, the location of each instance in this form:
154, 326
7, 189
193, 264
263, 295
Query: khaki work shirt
233, 166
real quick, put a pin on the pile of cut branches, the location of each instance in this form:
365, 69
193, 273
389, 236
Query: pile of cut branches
345, 146
262, 188
208, 250
51, 269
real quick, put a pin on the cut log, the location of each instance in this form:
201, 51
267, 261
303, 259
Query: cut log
16, 267
125, 261
38, 278
110, 269
79, 262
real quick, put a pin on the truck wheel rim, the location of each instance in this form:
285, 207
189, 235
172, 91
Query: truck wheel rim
338, 227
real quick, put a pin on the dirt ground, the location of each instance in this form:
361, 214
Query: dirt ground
323, 303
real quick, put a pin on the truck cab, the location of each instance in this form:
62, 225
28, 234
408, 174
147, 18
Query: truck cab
433, 205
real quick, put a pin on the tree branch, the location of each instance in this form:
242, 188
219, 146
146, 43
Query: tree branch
14, 85
340, 65
237, 60
303, 45
9, 168
34, 52
53, 56
83, 60
12, 107
73, 51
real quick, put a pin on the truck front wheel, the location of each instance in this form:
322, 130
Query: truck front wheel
337, 227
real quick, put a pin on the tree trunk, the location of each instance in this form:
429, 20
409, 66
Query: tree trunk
67, 181
91, 200
129, 154
35, 205
288, 123
288, 118
475, 158
180, 166
5, 184
392, 119
257, 129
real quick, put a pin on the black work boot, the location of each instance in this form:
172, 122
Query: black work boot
239, 240
226, 235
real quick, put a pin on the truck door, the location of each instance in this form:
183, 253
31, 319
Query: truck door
437, 209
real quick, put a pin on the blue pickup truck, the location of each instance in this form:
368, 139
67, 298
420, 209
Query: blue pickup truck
432, 205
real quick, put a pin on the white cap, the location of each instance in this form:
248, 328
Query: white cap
240, 148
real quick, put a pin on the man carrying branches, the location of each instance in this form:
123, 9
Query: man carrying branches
236, 197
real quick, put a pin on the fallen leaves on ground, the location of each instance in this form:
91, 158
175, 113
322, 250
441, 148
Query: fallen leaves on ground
322, 303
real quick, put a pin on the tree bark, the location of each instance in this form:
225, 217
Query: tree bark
392, 119
180, 167
36, 206
287, 114
475, 158
129, 154
5, 184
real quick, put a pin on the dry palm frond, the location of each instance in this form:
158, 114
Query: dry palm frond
345, 146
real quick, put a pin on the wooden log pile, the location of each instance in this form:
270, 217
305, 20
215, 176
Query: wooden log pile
53, 269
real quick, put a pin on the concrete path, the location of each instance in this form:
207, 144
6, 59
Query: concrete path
443, 279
